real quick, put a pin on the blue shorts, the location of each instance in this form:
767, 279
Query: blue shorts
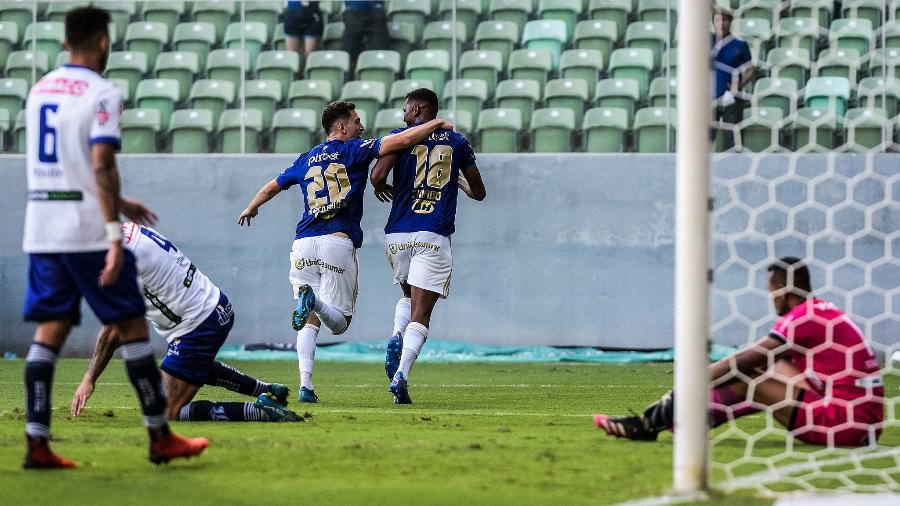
190, 356
57, 281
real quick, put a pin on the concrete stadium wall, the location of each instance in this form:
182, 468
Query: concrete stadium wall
566, 250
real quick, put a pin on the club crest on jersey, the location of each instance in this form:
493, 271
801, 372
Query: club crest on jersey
172, 350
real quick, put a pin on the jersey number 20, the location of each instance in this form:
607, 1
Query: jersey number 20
335, 179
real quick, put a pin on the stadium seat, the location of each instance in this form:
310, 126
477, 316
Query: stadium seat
867, 130
387, 120
189, 131
414, 12
471, 94
310, 94
180, 66
48, 37
333, 36
264, 95
648, 35
511, 11
403, 36
265, 12
798, 33
868, 10
140, 128
566, 11
569, 94
279, 66
778, 92
596, 34
431, 64
552, 129
124, 87
5, 124
498, 131
13, 93
230, 130
462, 122
618, 93
851, 34
439, 35
212, 95
19, 132
546, 35
669, 62
18, 13
663, 92
332, 11
379, 65
167, 13
760, 129
828, 93
225, 64
654, 130
331, 66
814, 130
616, 12
838, 63
888, 36
120, 11
367, 95
159, 94
880, 92
278, 42
522, 95
820, 10
217, 13
632, 63
196, 37
501, 36
791, 63
293, 130
585, 64
467, 13
9, 38
757, 33
604, 130
661, 11
25, 64
485, 65
255, 37
147, 37
884, 62
532, 64
401, 87
768, 10
128, 65
56, 11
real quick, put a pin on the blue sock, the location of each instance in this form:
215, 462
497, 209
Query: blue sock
39, 367
206, 411
225, 376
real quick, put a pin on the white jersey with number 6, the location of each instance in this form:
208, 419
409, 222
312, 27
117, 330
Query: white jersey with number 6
179, 297
68, 111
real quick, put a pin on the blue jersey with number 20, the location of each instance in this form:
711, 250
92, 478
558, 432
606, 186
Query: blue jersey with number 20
332, 178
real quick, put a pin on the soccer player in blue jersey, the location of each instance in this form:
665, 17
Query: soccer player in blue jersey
417, 234
332, 178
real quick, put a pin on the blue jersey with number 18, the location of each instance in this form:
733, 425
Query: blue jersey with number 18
425, 184
332, 178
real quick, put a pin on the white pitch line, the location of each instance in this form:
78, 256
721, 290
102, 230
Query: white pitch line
416, 385
397, 411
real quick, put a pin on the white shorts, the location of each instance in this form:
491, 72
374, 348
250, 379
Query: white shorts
421, 259
328, 264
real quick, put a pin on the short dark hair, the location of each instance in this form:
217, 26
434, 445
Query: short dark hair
424, 95
337, 110
85, 23
793, 273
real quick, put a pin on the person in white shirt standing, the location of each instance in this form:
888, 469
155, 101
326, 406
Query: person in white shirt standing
74, 242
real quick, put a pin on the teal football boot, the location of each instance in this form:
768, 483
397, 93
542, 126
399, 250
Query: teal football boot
276, 412
280, 392
305, 300
307, 395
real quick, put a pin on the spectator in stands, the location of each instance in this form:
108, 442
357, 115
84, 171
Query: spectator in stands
302, 19
365, 25
733, 70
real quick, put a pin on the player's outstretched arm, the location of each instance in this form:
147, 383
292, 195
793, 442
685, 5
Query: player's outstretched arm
103, 158
748, 358
137, 212
107, 342
265, 194
471, 184
411, 136
383, 191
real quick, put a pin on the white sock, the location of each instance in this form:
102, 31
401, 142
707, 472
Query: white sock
306, 353
402, 315
413, 340
331, 317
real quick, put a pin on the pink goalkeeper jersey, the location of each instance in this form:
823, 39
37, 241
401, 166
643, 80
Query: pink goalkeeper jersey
831, 350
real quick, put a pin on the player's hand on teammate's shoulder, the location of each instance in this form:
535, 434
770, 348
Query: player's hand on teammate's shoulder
137, 212
246, 216
446, 125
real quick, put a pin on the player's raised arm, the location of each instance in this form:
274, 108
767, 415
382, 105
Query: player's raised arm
107, 342
383, 191
265, 194
411, 136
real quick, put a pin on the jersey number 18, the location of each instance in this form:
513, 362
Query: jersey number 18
432, 169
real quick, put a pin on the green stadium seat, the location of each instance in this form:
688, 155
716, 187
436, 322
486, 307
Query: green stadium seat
230, 130
884, 62
498, 130
293, 130
265, 12
569, 94
546, 35
331, 66
218, 13
869, 10
56, 11
189, 131
140, 128
802, 33
760, 129
814, 130
888, 36
654, 130
616, 12
19, 132
632, 63
62, 58
467, 12
482, 64
552, 129
124, 87
439, 35
663, 92
669, 62
852, 34
387, 120
566, 11
789, 62
757, 33
367, 95
25, 64
777, 92
310, 94
128, 65
585, 64
414, 12
48, 36
9, 38
331, 11
401, 87
604, 130
471, 94
501, 36
828, 93
159, 94
5, 124
662, 11
333, 36
13, 93
522, 95
180, 66
880, 92
255, 37
196, 37
120, 12
820, 10
462, 121
278, 42
619, 94
379, 65
431, 64
212, 95
225, 64
511, 11
648, 35
18, 13
598, 35
838, 63
147, 37
264, 95
403, 37
768, 10
280, 66
533, 64
867, 130
167, 13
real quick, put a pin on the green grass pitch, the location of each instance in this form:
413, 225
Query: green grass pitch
477, 434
